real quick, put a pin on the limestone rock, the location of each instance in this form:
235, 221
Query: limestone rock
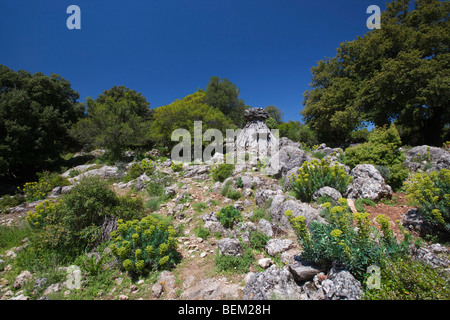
274, 283
367, 183
327, 191
341, 285
275, 246
230, 247
438, 159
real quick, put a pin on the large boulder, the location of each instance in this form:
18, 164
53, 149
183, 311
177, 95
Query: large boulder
437, 159
274, 283
367, 183
287, 158
279, 207
341, 285
328, 192
104, 172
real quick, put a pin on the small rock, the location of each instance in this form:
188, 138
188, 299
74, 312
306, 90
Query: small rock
21, 279
157, 290
123, 297
264, 263
275, 246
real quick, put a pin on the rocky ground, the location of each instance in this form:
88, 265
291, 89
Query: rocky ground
277, 273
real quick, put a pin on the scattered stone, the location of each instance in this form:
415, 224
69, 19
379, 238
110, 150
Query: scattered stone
21, 279
230, 247
276, 246
211, 289
123, 297
274, 283
157, 290
265, 263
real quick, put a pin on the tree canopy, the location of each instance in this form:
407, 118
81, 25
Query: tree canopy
118, 119
224, 95
181, 114
397, 74
36, 112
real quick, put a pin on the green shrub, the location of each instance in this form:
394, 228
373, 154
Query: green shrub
228, 215
36, 190
222, 171
406, 279
72, 225
338, 241
145, 245
259, 214
382, 149
200, 206
177, 167
232, 264
7, 202
258, 240
431, 193
202, 232
314, 175
138, 168
234, 195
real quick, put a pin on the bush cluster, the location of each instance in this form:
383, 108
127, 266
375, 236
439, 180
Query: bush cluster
138, 168
431, 193
382, 150
73, 224
145, 245
228, 215
316, 174
222, 171
338, 241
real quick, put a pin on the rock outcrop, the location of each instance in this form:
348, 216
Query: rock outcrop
367, 183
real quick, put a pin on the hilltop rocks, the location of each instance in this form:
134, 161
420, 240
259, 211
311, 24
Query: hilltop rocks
256, 139
367, 183
104, 172
437, 159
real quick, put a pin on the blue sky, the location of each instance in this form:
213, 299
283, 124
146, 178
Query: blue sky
167, 49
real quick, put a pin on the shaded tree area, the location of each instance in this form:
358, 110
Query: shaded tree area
397, 74
36, 112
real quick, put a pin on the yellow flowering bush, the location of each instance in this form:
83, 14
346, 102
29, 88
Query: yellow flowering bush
316, 174
347, 238
431, 194
144, 245
38, 218
36, 190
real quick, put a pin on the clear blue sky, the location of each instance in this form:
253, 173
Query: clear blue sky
167, 49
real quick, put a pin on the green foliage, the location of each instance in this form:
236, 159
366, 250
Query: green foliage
298, 132
202, 232
118, 119
406, 279
259, 214
36, 190
12, 236
224, 96
228, 215
176, 167
258, 240
181, 114
382, 149
138, 168
36, 112
431, 193
222, 171
145, 245
8, 201
362, 82
275, 114
314, 175
66, 228
200, 206
239, 264
339, 242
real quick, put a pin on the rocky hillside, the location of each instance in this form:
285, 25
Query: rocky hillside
257, 256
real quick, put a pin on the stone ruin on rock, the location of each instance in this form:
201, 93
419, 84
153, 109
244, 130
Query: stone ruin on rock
256, 139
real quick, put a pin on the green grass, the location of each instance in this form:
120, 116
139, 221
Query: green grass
13, 236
